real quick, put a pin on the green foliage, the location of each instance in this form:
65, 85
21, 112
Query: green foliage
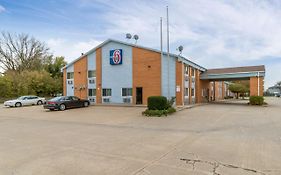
54, 65
171, 102
159, 113
238, 88
256, 100
157, 103
14, 84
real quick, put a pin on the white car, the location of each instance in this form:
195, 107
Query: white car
25, 100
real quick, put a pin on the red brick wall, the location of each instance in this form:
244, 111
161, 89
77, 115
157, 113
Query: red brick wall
146, 73
80, 78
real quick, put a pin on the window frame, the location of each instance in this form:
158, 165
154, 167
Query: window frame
192, 92
128, 90
186, 89
92, 90
106, 93
70, 77
94, 72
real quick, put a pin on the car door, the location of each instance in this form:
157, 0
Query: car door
26, 101
76, 101
68, 102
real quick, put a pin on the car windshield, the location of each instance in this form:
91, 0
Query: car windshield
22, 98
55, 99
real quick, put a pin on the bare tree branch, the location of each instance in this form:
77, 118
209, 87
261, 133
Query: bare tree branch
19, 52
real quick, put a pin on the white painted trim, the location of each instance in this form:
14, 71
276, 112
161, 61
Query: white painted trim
238, 73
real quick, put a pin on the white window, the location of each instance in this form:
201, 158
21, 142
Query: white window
127, 95
186, 70
92, 92
70, 75
69, 82
91, 74
106, 92
186, 92
186, 77
192, 92
193, 72
126, 92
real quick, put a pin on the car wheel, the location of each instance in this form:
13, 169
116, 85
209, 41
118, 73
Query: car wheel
39, 102
62, 107
18, 104
86, 104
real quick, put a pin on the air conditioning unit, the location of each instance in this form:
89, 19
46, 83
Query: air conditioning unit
92, 99
92, 81
127, 100
106, 100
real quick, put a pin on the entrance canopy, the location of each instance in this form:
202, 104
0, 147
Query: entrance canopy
233, 73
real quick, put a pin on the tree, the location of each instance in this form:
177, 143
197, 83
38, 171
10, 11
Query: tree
54, 65
238, 88
20, 52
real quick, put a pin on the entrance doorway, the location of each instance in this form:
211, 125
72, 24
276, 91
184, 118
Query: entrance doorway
139, 95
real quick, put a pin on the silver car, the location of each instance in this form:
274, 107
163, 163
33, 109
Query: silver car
25, 100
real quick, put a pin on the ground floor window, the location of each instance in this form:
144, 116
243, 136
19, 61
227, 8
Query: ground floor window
186, 92
126, 92
192, 92
106, 92
92, 92
127, 95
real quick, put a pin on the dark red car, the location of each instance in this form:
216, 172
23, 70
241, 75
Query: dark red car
65, 102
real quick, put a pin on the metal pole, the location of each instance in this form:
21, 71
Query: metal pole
161, 37
161, 45
168, 52
258, 83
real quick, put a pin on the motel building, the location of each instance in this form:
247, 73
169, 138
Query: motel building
117, 72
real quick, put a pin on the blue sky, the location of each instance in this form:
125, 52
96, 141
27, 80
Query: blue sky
214, 33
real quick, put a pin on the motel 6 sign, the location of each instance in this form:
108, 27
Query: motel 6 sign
116, 56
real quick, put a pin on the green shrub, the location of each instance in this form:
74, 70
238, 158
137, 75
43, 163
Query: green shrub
157, 103
171, 110
170, 102
158, 113
256, 100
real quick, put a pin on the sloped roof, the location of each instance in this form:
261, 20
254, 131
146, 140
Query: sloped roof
137, 46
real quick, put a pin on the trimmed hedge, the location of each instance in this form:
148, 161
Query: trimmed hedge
256, 100
158, 113
157, 103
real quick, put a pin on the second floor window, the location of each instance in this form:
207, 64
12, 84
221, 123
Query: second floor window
91, 73
70, 75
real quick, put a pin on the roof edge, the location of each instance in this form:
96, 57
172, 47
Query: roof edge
137, 46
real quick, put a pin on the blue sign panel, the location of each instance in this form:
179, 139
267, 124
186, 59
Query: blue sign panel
116, 56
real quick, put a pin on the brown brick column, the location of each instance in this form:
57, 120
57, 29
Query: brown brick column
98, 76
64, 82
80, 78
190, 84
254, 86
179, 83
198, 88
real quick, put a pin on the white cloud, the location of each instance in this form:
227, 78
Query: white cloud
214, 33
2, 9
70, 49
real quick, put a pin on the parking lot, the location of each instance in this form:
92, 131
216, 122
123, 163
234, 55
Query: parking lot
208, 139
